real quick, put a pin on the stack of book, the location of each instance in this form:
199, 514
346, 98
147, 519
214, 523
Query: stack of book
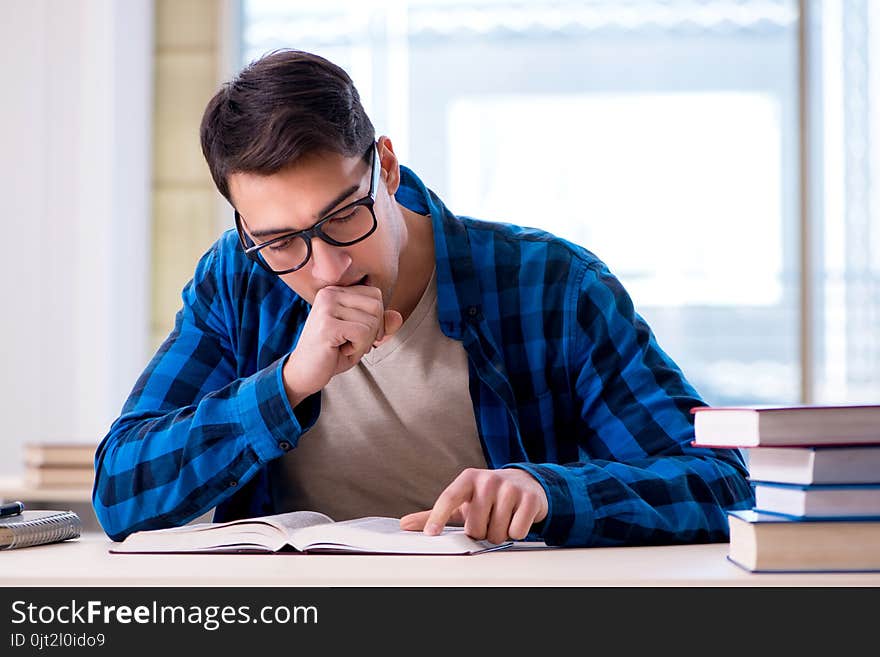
59, 465
816, 476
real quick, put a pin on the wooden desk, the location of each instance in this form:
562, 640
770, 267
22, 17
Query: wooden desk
86, 562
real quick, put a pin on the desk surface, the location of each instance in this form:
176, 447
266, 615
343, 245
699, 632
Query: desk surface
86, 562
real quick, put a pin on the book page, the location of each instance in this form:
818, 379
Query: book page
384, 535
281, 521
267, 533
297, 519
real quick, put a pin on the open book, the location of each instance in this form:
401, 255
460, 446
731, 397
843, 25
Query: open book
304, 531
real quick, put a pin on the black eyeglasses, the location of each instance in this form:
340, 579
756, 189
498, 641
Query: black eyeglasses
346, 226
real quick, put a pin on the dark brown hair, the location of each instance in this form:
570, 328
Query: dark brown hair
280, 108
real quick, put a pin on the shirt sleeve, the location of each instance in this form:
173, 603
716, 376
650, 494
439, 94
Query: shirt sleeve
639, 481
192, 431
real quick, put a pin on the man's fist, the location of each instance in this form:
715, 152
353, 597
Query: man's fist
343, 325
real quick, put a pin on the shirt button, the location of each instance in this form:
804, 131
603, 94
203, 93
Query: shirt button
472, 311
233, 483
284, 445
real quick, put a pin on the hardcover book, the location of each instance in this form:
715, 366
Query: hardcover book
38, 528
818, 500
815, 465
60, 454
755, 426
49, 476
304, 531
762, 542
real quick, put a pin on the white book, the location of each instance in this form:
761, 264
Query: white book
815, 465
761, 542
304, 531
50, 476
819, 501
60, 454
756, 426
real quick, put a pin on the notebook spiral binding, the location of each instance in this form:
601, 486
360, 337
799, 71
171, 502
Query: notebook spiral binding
50, 529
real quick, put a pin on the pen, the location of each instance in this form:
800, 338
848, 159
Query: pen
11, 509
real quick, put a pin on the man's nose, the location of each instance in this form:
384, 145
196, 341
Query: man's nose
329, 263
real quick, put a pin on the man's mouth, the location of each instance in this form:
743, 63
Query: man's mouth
363, 280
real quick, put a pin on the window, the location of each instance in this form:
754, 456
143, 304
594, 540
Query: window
844, 192
663, 135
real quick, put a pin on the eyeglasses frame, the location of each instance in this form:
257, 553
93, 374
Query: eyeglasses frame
252, 249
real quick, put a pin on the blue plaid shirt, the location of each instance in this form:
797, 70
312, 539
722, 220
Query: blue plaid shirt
567, 382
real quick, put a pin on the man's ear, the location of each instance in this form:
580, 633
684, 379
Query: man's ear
390, 166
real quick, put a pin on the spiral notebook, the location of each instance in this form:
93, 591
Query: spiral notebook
38, 528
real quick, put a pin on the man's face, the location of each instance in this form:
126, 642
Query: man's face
297, 198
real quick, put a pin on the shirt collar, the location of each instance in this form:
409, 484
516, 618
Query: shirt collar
458, 291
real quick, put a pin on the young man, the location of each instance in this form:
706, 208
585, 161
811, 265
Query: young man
353, 347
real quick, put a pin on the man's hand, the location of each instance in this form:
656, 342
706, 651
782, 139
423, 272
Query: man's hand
499, 505
343, 325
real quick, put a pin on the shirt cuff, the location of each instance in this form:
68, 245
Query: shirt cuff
270, 424
569, 516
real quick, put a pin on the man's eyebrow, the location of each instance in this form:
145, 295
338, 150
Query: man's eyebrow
339, 199
324, 211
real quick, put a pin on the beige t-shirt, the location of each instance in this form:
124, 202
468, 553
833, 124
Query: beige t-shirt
393, 431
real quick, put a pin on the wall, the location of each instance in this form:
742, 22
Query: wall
188, 53
74, 179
